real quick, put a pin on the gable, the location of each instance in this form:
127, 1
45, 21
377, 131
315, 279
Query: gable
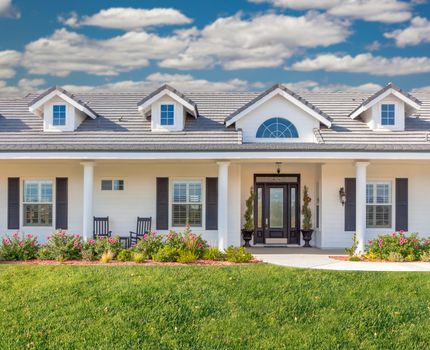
278, 107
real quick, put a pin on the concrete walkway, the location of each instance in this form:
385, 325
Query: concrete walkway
319, 259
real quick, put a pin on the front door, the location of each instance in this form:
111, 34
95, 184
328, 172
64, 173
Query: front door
276, 213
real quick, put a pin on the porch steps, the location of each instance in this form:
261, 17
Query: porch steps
276, 241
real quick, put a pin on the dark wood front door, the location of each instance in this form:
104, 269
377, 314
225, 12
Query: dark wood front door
277, 212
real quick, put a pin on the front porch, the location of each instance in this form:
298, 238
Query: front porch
217, 212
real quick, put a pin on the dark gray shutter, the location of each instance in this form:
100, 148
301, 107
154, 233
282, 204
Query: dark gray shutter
162, 218
13, 203
401, 204
350, 204
61, 204
211, 203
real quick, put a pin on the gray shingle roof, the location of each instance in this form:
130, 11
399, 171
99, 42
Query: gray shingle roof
120, 127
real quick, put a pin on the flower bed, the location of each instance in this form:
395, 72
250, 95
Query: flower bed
394, 247
177, 248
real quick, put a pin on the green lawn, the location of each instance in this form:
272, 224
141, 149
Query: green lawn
237, 307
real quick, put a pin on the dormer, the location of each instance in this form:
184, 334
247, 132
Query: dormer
168, 109
278, 115
387, 109
60, 110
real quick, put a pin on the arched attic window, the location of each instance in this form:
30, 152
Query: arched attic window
277, 128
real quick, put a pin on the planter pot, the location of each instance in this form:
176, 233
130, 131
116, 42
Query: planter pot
247, 236
307, 236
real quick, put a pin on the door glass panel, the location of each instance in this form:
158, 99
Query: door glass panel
276, 207
259, 207
293, 207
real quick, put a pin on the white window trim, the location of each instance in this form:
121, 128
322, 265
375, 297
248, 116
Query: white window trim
111, 179
21, 201
395, 126
60, 126
167, 126
187, 179
393, 201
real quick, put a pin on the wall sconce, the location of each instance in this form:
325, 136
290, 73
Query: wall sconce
342, 196
278, 167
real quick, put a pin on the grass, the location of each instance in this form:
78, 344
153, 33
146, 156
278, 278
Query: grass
235, 307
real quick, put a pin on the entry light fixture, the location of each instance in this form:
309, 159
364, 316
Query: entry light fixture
278, 167
342, 195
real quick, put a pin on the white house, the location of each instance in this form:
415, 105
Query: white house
191, 158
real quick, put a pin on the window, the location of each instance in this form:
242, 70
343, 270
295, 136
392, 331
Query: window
59, 115
277, 128
112, 185
387, 114
37, 203
167, 114
187, 203
379, 207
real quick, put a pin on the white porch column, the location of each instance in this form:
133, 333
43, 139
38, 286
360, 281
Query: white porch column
87, 205
360, 206
222, 204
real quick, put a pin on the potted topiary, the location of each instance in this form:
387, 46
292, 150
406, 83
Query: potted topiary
307, 218
248, 226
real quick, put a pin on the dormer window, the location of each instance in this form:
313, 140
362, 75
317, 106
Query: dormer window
58, 115
388, 116
167, 113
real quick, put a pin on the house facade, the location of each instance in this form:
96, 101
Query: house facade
192, 158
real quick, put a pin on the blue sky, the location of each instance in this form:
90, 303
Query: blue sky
214, 45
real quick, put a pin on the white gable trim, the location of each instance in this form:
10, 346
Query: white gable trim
35, 106
379, 98
288, 97
144, 107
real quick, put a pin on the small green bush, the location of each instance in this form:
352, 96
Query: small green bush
18, 247
187, 240
186, 257
107, 257
61, 246
149, 245
124, 255
425, 257
213, 253
411, 257
354, 258
351, 251
395, 256
166, 254
237, 255
95, 248
138, 257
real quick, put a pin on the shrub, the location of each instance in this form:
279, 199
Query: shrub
149, 245
410, 247
124, 255
187, 241
94, 248
186, 257
237, 254
351, 251
213, 253
107, 257
138, 257
425, 257
166, 254
354, 258
61, 246
18, 247
395, 256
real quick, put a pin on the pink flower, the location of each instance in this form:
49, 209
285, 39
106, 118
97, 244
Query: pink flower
153, 233
29, 236
6, 241
200, 246
413, 240
75, 243
16, 235
62, 233
145, 236
380, 241
426, 242
21, 244
416, 247
394, 234
42, 245
401, 232
101, 238
370, 242
92, 241
32, 243
49, 238
78, 236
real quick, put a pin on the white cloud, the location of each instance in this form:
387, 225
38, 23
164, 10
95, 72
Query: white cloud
422, 89
8, 10
128, 18
65, 52
23, 86
183, 82
9, 59
262, 41
387, 11
364, 63
418, 32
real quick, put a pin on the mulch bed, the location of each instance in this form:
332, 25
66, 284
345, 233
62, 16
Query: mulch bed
127, 263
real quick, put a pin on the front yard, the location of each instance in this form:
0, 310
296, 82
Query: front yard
193, 307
